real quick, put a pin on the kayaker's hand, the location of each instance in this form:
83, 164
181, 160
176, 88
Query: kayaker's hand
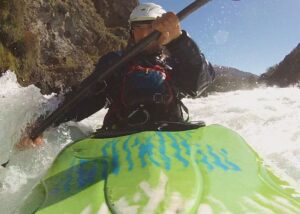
169, 26
26, 142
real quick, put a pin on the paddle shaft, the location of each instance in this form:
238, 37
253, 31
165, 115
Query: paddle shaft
74, 100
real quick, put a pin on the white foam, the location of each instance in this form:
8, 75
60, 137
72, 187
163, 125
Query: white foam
103, 209
266, 117
87, 210
155, 194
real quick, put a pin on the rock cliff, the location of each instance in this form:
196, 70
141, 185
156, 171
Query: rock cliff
56, 43
230, 79
285, 73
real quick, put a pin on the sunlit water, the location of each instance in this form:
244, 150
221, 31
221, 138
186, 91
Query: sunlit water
268, 119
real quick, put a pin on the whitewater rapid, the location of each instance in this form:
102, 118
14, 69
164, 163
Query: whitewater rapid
267, 118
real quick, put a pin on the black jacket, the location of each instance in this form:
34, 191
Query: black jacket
191, 75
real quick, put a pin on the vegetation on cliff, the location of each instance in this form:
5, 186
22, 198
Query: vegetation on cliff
54, 44
286, 72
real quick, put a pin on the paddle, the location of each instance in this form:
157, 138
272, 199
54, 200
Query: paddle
76, 98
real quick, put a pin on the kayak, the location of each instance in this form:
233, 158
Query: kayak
210, 169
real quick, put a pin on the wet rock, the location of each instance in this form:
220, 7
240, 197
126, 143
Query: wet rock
55, 44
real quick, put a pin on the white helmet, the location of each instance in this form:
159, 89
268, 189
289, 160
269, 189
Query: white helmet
146, 12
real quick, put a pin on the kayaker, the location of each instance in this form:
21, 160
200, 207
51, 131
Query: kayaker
149, 88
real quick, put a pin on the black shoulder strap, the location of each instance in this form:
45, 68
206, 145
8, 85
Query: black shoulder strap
185, 109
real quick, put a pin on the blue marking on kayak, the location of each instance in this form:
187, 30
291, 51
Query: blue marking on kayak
184, 143
106, 155
149, 141
69, 176
87, 171
204, 158
177, 154
128, 154
186, 135
217, 159
136, 142
147, 149
115, 158
187, 147
82, 172
162, 151
105, 165
233, 165
104, 149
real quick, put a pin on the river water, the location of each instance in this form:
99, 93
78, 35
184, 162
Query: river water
266, 117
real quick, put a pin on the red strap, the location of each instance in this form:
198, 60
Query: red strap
136, 68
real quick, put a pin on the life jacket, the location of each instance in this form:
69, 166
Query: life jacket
146, 95
142, 86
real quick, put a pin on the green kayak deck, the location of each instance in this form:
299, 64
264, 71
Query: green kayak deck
206, 170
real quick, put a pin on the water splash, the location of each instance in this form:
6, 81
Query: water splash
266, 117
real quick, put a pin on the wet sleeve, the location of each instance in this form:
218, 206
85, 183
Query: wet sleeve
191, 73
95, 99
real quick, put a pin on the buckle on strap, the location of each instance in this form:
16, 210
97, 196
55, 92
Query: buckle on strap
185, 109
138, 117
158, 98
